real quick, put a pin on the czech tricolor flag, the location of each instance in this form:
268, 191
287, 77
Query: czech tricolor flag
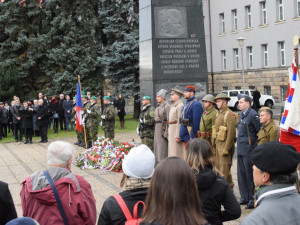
79, 111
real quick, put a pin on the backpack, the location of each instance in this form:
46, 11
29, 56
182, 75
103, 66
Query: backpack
130, 220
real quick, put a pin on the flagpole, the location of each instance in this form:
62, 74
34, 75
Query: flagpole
83, 125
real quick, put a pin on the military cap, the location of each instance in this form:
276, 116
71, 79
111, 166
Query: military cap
264, 108
146, 97
75, 98
106, 97
176, 91
83, 93
275, 157
190, 88
209, 98
93, 97
162, 93
84, 96
222, 96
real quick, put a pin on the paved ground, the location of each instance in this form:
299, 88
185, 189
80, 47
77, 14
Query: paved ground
17, 161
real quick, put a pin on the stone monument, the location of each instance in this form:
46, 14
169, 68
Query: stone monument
172, 46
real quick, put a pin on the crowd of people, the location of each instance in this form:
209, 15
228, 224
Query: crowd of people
181, 173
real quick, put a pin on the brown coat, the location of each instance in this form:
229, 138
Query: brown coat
268, 133
161, 131
175, 149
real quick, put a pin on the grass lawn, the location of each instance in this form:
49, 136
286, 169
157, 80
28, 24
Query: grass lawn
130, 125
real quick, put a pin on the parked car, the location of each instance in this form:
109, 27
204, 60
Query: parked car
265, 100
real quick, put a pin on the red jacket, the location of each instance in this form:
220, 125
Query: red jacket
39, 203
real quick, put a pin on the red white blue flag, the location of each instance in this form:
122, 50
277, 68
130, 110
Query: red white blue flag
79, 110
290, 123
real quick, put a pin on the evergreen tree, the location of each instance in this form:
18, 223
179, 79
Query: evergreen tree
9, 84
120, 53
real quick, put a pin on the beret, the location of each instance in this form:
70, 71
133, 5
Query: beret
275, 157
83, 93
146, 97
75, 98
190, 88
84, 96
106, 97
93, 97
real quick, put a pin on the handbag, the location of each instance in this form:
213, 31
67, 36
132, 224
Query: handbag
61, 209
55, 116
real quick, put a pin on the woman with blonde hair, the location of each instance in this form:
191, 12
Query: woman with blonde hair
213, 189
172, 197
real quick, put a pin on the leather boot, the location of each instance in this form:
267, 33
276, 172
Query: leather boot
123, 125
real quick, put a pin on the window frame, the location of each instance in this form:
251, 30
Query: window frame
236, 58
264, 15
280, 10
222, 23
265, 55
282, 53
223, 58
248, 16
234, 19
250, 57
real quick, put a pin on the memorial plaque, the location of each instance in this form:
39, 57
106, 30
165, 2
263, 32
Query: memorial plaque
172, 46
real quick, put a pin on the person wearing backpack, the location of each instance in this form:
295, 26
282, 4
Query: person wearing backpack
138, 167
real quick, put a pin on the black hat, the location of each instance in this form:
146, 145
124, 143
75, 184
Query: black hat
275, 157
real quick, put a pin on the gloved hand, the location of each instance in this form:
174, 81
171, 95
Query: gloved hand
138, 130
101, 124
142, 121
225, 153
103, 117
88, 111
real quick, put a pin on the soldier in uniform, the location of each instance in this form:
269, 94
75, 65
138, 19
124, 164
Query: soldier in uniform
108, 118
85, 106
91, 122
190, 116
269, 130
161, 126
176, 148
208, 118
145, 128
248, 127
223, 136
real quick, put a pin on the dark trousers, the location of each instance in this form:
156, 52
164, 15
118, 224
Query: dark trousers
18, 130
43, 133
55, 124
121, 117
62, 122
28, 134
36, 133
5, 130
69, 121
245, 178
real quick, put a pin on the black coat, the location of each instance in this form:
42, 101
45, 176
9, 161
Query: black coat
4, 116
7, 207
214, 191
68, 106
15, 113
111, 213
120, 104
27, 121
42, 111
60, 110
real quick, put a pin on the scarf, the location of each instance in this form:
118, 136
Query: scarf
135, 183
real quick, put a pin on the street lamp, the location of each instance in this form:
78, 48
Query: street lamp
241, 44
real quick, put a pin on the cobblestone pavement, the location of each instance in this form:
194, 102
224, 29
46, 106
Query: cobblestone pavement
17, 161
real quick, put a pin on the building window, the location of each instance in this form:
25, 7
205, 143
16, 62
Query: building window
298, 8
263, 13
267, 90
248, 16
234, 19
236, 58
283, 91
222, 23
280, 10
225, 88
238, 87
250, 57
265, 55
251, 87
282, 53
223, 53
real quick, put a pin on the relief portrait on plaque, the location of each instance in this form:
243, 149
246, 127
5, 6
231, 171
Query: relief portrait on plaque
170, 22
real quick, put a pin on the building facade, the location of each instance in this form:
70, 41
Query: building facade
268, 27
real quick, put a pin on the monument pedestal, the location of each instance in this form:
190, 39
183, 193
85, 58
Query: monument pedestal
172, 46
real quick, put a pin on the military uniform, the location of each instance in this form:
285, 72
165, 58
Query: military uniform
268, 133
161, 131
108, 123
225, 131
207, 121
146, 125
92, 123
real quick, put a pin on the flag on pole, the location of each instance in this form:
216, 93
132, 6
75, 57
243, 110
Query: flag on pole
290, 123
79, 111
